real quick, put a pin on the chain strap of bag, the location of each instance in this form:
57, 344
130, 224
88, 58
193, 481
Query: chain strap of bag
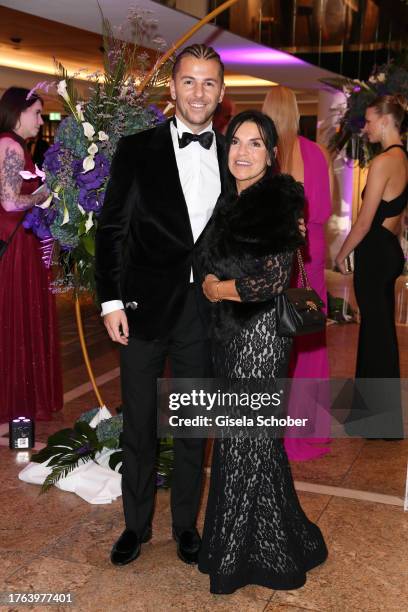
298, 310
303, 274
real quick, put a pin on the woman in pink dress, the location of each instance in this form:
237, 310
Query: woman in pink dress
31, 383
308, 163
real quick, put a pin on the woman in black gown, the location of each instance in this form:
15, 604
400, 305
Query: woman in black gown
378, 261
255, 530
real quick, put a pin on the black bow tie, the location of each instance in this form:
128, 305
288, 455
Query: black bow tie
205, 139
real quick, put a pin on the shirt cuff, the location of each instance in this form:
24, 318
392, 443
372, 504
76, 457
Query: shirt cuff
111, 306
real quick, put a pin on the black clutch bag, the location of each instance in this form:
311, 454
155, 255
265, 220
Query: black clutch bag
298, 311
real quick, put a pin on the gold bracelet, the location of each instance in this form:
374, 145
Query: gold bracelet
218, 292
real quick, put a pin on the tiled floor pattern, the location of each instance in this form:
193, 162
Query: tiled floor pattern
57, 542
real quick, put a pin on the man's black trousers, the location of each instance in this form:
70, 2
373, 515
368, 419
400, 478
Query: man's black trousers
142, 362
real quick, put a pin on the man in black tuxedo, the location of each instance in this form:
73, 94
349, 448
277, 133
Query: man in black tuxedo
163, 187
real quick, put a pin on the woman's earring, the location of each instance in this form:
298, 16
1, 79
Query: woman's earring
382, 133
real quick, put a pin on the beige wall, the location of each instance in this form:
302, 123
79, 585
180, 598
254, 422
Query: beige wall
198, 8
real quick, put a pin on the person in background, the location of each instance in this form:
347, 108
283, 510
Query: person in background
223, 114
40, 148
310, 164
31, 381
378, 261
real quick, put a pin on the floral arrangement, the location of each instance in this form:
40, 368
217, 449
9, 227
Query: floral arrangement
68, 448
77, 164
387, 79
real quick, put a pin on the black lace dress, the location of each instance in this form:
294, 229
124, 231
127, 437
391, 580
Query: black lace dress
255, 530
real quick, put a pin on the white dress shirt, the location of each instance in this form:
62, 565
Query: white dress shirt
200, 180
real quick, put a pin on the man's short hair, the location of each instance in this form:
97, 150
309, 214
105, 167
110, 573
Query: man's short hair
199, 52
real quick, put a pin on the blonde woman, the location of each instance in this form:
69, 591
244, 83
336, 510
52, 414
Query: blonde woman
308, 163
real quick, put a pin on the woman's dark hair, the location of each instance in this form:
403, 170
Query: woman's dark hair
13, 102
268, 134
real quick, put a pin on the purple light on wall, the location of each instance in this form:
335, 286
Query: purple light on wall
251, 55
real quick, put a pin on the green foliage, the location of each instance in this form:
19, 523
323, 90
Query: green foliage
63, 75
71, 136
116, 459
68, 448
110, 429
165, 462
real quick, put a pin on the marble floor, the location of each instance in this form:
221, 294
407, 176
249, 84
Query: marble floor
56, 542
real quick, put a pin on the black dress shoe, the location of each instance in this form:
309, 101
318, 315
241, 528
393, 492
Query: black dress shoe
188, 544
128, 546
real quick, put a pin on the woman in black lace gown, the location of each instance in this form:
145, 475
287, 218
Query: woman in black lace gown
255, 530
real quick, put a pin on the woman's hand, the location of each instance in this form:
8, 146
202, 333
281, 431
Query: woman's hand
341, 265
210, 288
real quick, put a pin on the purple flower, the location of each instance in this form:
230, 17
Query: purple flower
95, 178
65, 247
38, 221
51, 159
155, 110
160, 480
91, 200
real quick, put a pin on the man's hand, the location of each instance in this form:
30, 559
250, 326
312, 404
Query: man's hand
302, 227
117, 325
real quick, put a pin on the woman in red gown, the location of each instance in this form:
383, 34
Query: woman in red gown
30, 371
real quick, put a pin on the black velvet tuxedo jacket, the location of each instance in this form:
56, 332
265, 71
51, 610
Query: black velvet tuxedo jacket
144, 241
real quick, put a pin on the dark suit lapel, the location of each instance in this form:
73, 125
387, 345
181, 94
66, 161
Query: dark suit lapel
221, 158
164, 159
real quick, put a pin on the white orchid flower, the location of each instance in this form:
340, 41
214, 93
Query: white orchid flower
88, 130
66, 216
47, 202
80, 113
93, 149
89, 222
381, 77
88, 163
62, 90
102, 136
